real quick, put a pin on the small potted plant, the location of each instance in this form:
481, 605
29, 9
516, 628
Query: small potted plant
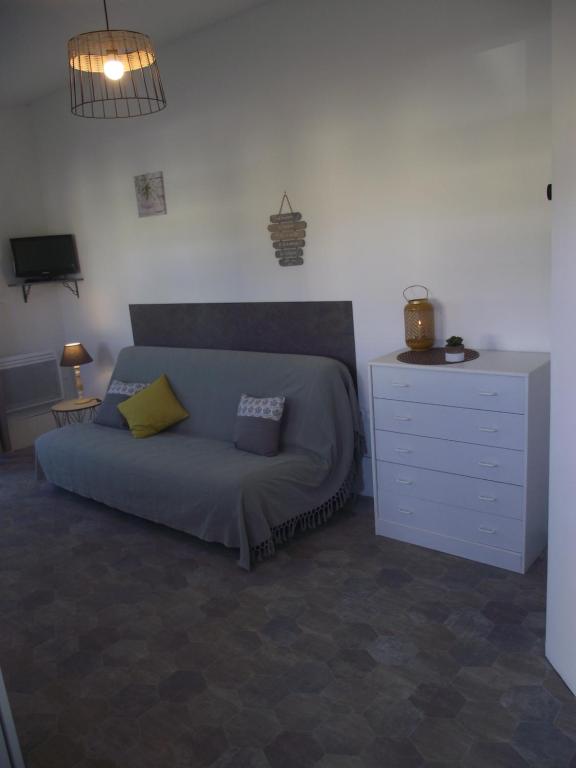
454, 349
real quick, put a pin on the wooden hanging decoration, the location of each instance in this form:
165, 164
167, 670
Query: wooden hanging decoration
288, 235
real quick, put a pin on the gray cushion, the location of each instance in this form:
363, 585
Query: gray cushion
108, 414
257, 428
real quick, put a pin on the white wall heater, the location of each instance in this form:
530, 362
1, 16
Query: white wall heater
30, 381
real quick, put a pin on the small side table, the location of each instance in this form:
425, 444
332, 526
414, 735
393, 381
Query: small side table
73, 412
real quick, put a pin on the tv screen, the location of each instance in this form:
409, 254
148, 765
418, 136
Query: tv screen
42, 258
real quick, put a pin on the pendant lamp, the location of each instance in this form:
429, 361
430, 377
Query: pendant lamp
114, 73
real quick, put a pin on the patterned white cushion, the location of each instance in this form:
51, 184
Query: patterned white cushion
127, 388
262, 407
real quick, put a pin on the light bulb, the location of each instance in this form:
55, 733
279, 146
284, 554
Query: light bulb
113, 68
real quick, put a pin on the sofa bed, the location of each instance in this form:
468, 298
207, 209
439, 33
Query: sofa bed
192, 477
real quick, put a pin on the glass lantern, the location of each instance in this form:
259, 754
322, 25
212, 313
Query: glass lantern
419, 321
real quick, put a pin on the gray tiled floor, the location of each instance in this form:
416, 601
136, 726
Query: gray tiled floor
128, 645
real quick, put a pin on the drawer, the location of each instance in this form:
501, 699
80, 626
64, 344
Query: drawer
501, 430
463, 524
464, 390
468, 492
499, 464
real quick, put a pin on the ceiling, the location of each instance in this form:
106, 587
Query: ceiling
34, 33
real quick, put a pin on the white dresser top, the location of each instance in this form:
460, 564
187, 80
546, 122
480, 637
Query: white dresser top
490, 361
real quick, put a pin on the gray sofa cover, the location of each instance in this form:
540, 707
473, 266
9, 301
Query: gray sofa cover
192, 478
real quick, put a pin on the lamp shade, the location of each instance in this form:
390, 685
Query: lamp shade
114, 73
74, 354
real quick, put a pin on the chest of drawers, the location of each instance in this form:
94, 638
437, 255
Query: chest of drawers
460, 455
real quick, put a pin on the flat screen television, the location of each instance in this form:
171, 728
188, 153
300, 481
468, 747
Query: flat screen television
44, 258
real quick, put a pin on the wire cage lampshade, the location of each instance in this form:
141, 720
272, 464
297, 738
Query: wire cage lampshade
114, 73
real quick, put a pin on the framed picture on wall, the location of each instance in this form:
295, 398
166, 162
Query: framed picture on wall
150, 194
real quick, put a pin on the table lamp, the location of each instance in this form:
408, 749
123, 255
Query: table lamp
73, 356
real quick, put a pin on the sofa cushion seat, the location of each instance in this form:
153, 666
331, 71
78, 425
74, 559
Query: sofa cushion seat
198, 485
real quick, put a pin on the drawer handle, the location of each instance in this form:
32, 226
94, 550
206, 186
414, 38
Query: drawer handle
405, 511
490, 531
488, 394
402, 418
401, 481
403, 450
488, 464
489, 499
400, 385
488, 429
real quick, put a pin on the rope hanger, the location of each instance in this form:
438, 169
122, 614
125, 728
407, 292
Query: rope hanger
285, 199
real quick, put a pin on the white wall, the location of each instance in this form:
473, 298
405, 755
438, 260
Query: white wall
561, 616
412, 134
37, 326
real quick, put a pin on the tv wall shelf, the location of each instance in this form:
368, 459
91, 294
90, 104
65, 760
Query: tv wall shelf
71, 283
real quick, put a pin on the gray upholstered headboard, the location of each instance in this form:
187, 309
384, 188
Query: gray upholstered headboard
294, 327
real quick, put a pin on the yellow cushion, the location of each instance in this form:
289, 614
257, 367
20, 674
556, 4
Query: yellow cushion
153, 409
